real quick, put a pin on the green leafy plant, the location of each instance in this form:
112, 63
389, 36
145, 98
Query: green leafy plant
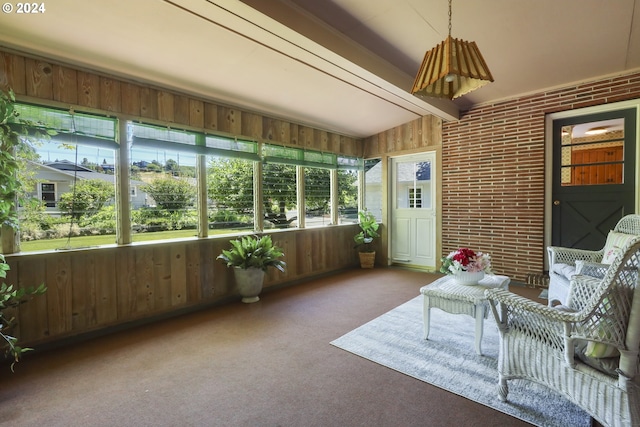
253, 252
11, 297
9, 142
12, 142
368, 231
16, 135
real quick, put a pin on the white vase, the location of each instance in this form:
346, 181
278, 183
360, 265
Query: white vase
468, 278
249, 283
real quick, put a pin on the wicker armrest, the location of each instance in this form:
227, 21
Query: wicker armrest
537, 321
526, 307
569, 256
581, 290
593, 269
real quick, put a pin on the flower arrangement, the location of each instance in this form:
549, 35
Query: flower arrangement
465, 259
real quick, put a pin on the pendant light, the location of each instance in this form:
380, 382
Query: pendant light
451, 69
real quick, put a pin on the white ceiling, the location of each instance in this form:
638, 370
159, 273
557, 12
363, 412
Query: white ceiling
341, 65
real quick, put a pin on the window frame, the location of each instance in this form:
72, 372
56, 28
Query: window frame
123, 141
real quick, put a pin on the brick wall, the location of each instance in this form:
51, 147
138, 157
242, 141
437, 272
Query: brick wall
493, 172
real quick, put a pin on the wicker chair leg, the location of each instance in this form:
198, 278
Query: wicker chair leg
503, 389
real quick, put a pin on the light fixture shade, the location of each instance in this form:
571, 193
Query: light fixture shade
451, 69
597, 130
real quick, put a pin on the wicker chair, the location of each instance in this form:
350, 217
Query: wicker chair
551, 345
565, 262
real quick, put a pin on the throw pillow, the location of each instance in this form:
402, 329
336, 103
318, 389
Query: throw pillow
613, 247
607, 365
564, 270
600, 350
597, 349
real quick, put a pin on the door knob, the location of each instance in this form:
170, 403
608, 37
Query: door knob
556, 202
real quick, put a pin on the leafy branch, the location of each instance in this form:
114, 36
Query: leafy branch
11, 297
11, 143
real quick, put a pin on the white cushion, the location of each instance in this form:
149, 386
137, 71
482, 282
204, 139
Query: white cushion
564, 270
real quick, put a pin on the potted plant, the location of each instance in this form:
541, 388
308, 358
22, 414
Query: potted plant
251, 256
467, 266
364, 239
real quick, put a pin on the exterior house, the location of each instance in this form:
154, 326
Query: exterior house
56, 178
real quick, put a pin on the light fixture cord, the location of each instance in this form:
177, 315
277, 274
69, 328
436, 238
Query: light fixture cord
449, 18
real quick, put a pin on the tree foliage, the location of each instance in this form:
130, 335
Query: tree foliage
170, 193
86, 197
230, 184
171, 166
317, 184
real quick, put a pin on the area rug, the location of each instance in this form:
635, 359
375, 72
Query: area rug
448, 360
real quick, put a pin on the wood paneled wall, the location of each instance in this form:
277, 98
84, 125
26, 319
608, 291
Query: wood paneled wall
94, 289
66, 86
423, 134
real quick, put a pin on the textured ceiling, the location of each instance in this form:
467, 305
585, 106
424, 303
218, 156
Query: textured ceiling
343, 65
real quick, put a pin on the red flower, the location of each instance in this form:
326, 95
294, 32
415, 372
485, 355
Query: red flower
464, 256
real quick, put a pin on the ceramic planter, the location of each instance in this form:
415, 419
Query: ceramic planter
249, 282
468, 278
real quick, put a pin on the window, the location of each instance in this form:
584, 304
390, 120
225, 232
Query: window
348, 189
69, 195
415, 197
230, 184
48, 194
413, 185
317, 196
230, 194
279, 195
593, 153
170, 162
373, 187
165, 205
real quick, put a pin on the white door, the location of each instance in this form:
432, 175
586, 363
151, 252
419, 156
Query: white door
413, 214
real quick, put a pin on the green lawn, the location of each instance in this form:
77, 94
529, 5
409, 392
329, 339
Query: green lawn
85, 241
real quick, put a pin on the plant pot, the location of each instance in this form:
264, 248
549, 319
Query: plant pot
367, 259
468, 278
249, 282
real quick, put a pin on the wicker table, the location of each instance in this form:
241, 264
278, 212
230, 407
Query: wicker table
450, 297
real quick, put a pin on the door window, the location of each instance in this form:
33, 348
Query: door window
593, 153
413, 185
415, 197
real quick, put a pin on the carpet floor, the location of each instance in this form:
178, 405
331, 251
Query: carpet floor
448, 360
263, 364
